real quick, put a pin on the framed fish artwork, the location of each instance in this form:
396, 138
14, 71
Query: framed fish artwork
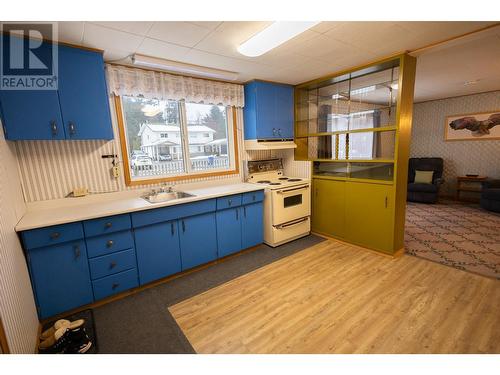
473, 127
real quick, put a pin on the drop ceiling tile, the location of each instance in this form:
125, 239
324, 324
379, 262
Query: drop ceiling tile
164, 50
325, 26
211, 25
70, 32
228, 36
138, 28
211, 60
104, 38
181, 33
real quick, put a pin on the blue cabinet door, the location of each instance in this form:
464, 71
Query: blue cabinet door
31, 114
252, 225
284, 111
198, 239
229, 231
61, 277
266, 110
83, 94
158, 251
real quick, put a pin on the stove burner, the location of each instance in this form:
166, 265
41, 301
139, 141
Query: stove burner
283, 178
275, 183
294, 179
263, 182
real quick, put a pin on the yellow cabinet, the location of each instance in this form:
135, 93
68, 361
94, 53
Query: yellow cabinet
369, 218
328, 213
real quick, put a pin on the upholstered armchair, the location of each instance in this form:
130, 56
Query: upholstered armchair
424, 192
490, 195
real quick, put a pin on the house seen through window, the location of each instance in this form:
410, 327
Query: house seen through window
167, 138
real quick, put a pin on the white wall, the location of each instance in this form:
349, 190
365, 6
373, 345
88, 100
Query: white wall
460, 157
17, 306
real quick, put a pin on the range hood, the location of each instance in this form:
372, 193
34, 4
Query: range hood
269, 144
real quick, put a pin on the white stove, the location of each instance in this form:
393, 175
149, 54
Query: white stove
287, 201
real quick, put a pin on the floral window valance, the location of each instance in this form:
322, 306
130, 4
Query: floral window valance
123, 80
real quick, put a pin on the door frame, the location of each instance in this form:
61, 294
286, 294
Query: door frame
3, 339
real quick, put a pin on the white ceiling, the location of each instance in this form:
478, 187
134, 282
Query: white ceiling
326, 48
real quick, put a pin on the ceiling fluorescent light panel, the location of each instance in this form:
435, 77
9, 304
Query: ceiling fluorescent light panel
178, 67
272, 36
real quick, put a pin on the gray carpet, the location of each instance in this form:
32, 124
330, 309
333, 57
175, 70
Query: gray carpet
141, 323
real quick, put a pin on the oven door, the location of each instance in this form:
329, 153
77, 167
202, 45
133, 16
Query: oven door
291, 203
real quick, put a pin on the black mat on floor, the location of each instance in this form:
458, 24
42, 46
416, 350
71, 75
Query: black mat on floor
141, 323
89, 326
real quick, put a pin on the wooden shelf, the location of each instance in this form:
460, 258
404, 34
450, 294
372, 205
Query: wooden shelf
388, 161
385, 128
365, 180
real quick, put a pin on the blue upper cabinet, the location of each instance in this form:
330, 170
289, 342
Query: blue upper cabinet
78, 110
268, 111
83, 94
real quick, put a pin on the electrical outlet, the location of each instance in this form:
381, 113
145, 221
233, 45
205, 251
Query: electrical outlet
115, 172
80, 192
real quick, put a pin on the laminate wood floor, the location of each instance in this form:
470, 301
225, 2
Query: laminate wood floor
336, 298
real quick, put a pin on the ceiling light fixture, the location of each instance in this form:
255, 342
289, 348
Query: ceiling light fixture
272, 36
178, 67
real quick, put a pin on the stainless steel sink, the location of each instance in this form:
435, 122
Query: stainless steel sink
165, 196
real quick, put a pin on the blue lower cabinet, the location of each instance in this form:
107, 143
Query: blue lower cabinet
252, 227
60, 275
229, 231
198, 239
119, 282
158, 251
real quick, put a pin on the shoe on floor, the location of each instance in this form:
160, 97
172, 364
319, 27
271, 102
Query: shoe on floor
59, 324
68, 339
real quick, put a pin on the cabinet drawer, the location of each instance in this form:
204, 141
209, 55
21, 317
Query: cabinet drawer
160, 215
229, 201
112, 263
252, 197
109, 243
116, 283
105, 225
52, 235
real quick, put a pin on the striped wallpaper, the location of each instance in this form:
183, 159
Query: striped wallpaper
17, 307
52, 169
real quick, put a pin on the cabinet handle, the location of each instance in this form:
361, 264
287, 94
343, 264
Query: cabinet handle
109, 243
77, 251
112, 265
55, 235
108, 225
237, 214
53, 127
279, 132
183, 226
245, 211
72, 128
115, 285
385, 202
253, 197
229, 202
172, 228
274, 131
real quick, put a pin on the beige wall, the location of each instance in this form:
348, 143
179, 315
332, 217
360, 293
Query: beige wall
460, 157
17, 306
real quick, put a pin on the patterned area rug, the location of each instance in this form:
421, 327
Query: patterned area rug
460, 235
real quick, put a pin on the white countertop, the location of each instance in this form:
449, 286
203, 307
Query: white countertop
67, 210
